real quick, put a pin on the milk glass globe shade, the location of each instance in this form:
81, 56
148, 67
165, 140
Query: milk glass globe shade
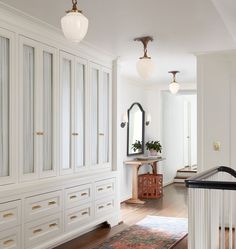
174, 87
74, 26
145, 68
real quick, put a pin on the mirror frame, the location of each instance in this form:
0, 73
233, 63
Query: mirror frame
143, 129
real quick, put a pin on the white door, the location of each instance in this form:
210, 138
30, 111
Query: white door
37, 74
100, 116
8, 109
190, 131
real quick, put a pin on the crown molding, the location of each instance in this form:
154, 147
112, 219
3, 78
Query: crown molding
27, 25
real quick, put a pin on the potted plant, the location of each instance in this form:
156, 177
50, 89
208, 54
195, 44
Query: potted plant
137, 146
153, 147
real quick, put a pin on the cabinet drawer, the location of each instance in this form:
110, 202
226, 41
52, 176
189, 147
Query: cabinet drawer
104, 188
10, 214
43, 205
43, 230
10, 239
78, 195
77, 216
104, 206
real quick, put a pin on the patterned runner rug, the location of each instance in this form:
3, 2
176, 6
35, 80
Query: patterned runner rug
153, 232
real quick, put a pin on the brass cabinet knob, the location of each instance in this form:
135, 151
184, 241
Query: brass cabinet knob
101, 134
39, 133
75, 134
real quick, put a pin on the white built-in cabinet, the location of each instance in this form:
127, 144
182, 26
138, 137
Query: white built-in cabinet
56, 177
63, 107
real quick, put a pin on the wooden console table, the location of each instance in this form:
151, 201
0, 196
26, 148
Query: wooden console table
136, 164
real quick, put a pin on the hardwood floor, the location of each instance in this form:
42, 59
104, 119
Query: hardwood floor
173, 203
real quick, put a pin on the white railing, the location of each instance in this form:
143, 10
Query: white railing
212, 209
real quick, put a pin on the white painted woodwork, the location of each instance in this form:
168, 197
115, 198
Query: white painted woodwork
49, 187
11, 238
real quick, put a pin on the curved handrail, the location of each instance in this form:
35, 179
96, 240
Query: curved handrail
200, 180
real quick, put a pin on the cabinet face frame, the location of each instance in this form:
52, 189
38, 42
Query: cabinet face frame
39, 48
13, 110
101, 70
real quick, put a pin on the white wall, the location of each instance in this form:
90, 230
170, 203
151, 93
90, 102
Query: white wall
150, 98
216, 109
128, 93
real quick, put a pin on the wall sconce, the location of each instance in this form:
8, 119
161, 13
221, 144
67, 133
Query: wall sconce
148, 120
124, 120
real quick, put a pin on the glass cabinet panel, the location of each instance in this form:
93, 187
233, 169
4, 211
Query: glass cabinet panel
106, 116
94, 115
47, 111
66, 112
79, 115
28, 107
4, 106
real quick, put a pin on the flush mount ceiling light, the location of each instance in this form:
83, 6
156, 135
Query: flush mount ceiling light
174, 86
145, 65
74, 24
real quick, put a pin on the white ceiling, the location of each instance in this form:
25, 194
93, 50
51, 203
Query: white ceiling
178, 27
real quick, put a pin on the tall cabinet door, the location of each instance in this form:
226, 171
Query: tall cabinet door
79, 129
48, 120
37, 80
66, 79
105, 104
8, 109
100, 116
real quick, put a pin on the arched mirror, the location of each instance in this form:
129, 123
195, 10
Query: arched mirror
135, 136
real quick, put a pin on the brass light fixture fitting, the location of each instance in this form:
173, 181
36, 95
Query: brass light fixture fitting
74, 7
145, 40
174, 86
145, 65
74, 24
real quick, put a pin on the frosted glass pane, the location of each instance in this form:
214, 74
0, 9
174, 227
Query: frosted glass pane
4, 106
28, 109
47, 111
94, 116
66, 113
106, 103
79, 108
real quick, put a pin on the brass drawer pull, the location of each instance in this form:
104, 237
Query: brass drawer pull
37, 231
75, 134
100, 189
53, 225
109, 204
109, 187
100, 207
84, 213
84, 194
73, 197
73, 217
101, 134
8, 215
52, 203
36, 207
7, 242
39, 133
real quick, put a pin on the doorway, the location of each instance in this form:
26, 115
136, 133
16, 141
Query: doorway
179, 135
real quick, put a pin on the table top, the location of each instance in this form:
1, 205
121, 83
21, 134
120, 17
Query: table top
146, 161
